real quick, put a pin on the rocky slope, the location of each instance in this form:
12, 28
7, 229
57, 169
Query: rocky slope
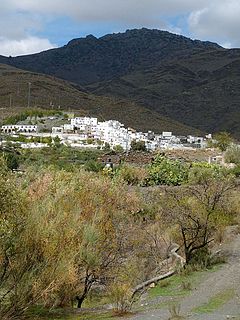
193, 82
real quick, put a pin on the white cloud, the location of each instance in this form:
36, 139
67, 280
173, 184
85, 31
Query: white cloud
215, 20
24, 46
219, 20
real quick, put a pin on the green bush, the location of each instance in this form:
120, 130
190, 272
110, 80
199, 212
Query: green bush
93, 166
132, 175
200, 171
235, 171
232, 154
163, 171
118, 149
138, 146
33, 113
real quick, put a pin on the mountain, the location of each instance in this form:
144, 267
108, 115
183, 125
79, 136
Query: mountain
193, 82
50, 92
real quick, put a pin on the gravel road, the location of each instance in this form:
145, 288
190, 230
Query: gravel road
223, 280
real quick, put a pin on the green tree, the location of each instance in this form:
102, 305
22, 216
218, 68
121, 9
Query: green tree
232, 154
57, 142
118, 148
196, 210
222, 140
138, 146
107, 146
168, 172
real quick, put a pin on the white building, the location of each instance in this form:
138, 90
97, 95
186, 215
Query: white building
23, 128
87, 121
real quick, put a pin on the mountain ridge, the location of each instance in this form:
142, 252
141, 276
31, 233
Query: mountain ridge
190, 81
51, 93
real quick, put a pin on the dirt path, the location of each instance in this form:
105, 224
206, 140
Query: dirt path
219, 291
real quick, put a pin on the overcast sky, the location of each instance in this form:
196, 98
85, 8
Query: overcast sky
29, 26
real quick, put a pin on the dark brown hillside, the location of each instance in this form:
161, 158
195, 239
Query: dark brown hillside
192, 82
50, 92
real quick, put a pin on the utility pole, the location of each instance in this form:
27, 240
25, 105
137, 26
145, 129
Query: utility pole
29, 93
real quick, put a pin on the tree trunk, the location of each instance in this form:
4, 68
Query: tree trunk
80, 300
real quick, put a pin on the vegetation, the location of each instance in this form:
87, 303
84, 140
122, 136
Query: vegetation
222, 140
72, 232
215, 302
198, 210
50, 93
157, 69
31, 114
168, 172
232, 154
138, 146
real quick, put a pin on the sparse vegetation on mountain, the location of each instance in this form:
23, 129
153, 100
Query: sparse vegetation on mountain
192, 82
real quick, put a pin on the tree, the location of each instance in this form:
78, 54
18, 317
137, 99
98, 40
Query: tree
196, 209
107, 146
138, 146
222, 140
167, 172
118, 148
11, 159
57, 142
232, 154
87, 218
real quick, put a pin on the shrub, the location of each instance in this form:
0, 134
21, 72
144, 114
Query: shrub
93, 166
232, 154
138, 146
132, 175
12, 160
222, 140
235, 171
118, 148
167, 172
201, 171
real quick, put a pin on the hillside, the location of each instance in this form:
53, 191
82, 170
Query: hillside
49, 92
193, 82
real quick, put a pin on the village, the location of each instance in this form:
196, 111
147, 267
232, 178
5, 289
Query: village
89, 132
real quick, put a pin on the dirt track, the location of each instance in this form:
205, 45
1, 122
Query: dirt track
224, 280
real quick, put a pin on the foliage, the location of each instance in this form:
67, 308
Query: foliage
118, 148
33, 113
235, 171
197, 209
200, 171
62, 157
131, 174
106, 146
167, 172
11, 159
94, 166
138, 146
222, 140
232, 155
56, 142
68, 239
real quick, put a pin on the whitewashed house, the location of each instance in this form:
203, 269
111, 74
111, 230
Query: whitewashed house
22, 128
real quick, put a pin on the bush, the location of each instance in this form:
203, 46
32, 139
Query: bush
132, 175
201, 171
93, 166
12, 160
163, 171
138, 146
235, 171
232, 154
118, 148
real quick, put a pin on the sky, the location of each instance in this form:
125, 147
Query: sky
30, 26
